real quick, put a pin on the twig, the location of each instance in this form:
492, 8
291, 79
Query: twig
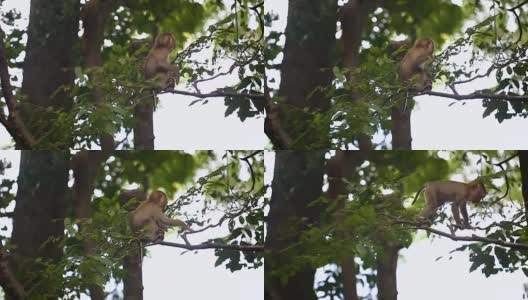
478, 96
215, 94
256, 248
472, 238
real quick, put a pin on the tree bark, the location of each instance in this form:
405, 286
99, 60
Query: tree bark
38, 221
85, 165
387, 263
307, 63
401, 128
49, 64
95, 16
133, 280
297, 182
144, 124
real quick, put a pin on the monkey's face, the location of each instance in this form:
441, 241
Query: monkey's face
478, 191
427, 44
166, 40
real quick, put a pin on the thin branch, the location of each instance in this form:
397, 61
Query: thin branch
478, 96
215, 94
13, 124
472, 238
12, 287
246, 159
254, 248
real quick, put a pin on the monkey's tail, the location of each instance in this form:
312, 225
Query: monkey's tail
418, 194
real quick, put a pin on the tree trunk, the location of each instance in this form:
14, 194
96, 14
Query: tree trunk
133, 280
85, 167
297, 182
38, 221
95, 16
144, 126
387, 263
338, 167
401, 128
307, 64
49, 64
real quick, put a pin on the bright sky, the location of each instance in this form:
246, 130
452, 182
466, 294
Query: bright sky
420, 276
168, 274
435, 124
178, 126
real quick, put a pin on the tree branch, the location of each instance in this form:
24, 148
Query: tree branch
215, 94
12, 287
13, 123
472, 238
477, 96
256, 248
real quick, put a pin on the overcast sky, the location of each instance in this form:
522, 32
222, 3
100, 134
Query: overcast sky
169, 274
178, 126
434, 123
420, 276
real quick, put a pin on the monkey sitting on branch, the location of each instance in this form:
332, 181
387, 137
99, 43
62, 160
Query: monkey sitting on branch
458, 193
148, 221
414, 66
157, 65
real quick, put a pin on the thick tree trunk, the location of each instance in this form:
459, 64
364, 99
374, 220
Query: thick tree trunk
49, 63
352, 16
387, 263
95, 16
297, 182
339, 167
401, 128
133, 280
144, 127
41, 205
307, 63
85, 167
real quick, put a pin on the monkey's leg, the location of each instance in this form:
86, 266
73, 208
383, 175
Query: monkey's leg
425, 214
455, 209
465, 217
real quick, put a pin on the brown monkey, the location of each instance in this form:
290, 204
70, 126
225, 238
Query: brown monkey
413, 67
458, 193
149, 221
157, 63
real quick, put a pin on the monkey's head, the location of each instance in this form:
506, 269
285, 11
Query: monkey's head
427, 44
477, 192
165, 40
159, 198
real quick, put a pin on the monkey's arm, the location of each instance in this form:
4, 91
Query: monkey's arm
166, 221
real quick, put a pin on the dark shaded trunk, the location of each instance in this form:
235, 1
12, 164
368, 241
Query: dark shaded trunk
401, 128
307, 63
85, 166
387, 263
38, 221
95, 16
133, 280
523, 165
352, 16
297, 182
48, 65
338, 167
144, 126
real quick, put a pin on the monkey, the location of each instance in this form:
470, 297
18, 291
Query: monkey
157, 63
414, 65
458, 193
148, 220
